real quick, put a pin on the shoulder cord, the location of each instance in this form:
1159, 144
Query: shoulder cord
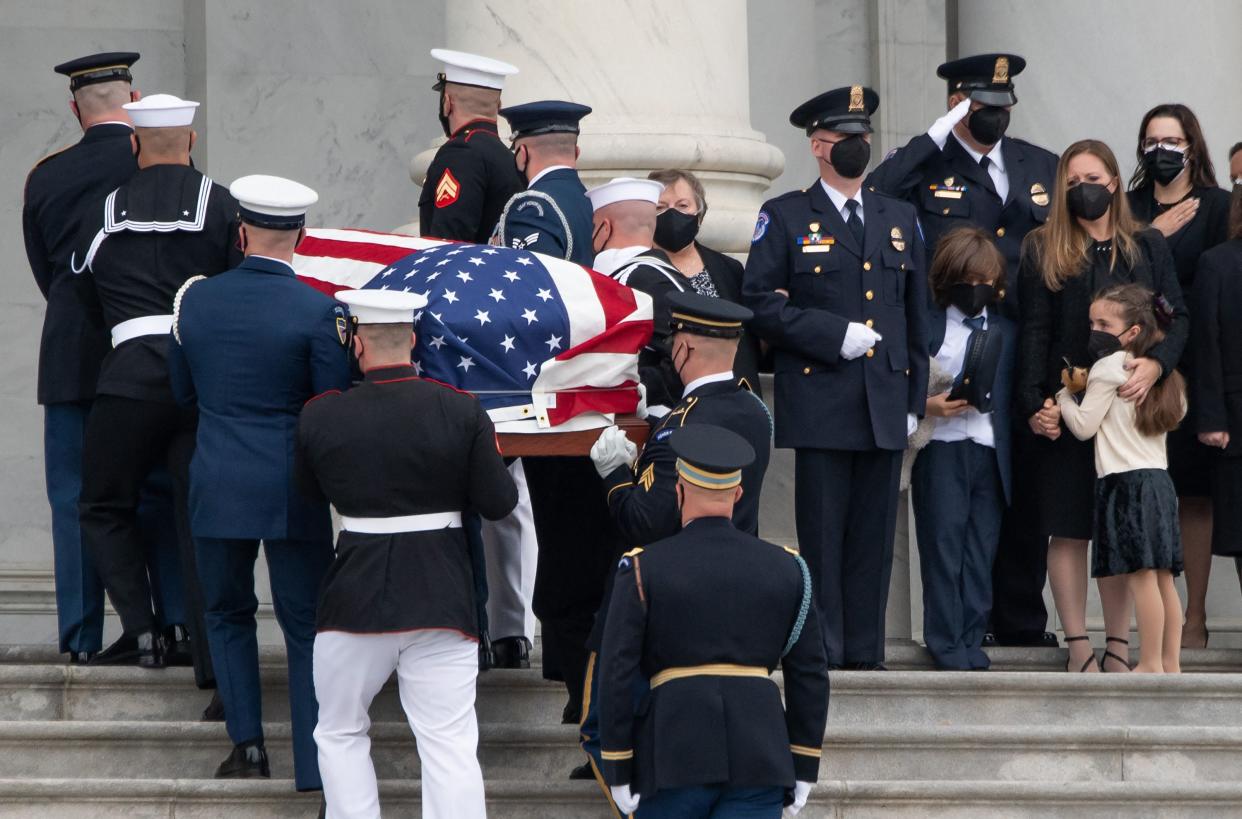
177, 305
803, 609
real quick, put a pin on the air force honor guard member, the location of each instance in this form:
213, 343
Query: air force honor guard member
401, 459
166, 224
250, 346
472, 175
711, 738
552, 216
836, 279
967, 170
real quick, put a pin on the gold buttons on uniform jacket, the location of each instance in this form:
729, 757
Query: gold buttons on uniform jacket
866, 265
818, 268
871, 353
806, 370
870, 323
1000, 231
870, 295
945, 211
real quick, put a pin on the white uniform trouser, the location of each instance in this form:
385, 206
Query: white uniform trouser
512, 551
436, 672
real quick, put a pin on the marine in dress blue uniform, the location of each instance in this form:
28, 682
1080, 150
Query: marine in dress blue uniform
553, 215
250, 346
940, 174
711, 737
844, 307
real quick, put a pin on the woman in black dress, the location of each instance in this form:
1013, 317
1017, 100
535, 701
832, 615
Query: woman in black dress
708, 272
1090, 241
1174, 189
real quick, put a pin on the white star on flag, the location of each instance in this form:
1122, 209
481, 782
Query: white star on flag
436, 341
418, 367
481, 315
443, 262
426, 294
529, 369
450, 296
530, 316
525, 260
433, 276
508, 343
463, 275
512, 275
421, 258
544, 294
411, 273
476, 261
437, 315
454, 252
386, 273
491, 251
553, 342
466, 363
497, 295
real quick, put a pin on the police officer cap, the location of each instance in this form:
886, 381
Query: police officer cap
706, 316
470, 69
847, 109
709, 456
382, 306
625, 189
161, 111
545, 117
985, 78
272, 201
109, 66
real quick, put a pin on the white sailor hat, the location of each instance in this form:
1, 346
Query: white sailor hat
470, 69
272, 201
161, 111
382, 306
625, 189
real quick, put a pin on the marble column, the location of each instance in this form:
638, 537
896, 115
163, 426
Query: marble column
669, 82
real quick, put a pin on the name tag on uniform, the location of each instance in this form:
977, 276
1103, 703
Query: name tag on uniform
943, 192
816, 243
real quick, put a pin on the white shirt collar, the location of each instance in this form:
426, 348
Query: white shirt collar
995, 155
547, 171
114, 122
270, 259
607, 261
955, 316
727, 375
839, 199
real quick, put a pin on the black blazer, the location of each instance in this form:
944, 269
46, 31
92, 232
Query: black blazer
726, 274
1055, 325
1217, 387
1209, 228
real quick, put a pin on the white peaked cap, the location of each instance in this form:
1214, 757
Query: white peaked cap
161, 111
625, 189
272, 196
471, 69
382, 306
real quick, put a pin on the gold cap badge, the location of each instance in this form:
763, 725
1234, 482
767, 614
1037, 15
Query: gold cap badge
1000, 74
856, 98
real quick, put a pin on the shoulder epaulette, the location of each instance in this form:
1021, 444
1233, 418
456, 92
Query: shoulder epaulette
637, 550
685, 411
743, 383
792, 550
54, 153
786, 195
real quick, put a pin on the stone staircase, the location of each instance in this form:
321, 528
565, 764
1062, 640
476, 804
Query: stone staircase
1019, 741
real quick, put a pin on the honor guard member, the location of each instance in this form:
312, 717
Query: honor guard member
711, 737
472, 175
552, 216
967, 170
401, 459
836, 279
61, 192
623, 237
250, 346
166, 224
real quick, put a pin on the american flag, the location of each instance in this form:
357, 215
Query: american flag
532, 336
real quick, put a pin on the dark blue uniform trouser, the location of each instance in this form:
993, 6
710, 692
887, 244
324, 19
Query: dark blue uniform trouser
958, 501
1020, 570
79, 590
845, 503
296, 569
712, 802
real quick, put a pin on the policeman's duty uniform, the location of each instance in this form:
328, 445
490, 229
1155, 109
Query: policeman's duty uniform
711, 737
250, 346
401, 459
168, 223
813, 281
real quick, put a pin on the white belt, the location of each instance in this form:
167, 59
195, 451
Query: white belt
402, 523
143, 326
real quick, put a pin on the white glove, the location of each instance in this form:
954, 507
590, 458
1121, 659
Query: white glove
627, 803
912, 423
859, 338
939, 131
612, 450
801, 791
641, 410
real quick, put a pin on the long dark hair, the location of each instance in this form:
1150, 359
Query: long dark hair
1164, 406
1198, 161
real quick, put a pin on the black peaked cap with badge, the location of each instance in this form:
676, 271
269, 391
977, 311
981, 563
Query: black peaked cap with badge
985, 78
706, 316
846, 109
107, 66
544, 117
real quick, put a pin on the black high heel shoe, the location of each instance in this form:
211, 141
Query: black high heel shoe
1108, 655
1090, 659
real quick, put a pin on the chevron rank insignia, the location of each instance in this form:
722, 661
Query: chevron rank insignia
447, 189
648, 478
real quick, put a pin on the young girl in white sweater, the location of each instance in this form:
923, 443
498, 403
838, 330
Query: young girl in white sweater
1136, 531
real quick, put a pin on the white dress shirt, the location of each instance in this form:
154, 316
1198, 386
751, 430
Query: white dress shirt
971, 425
839, 199
547, 171
727, 375
996, 168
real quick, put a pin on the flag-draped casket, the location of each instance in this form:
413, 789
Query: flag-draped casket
546, 345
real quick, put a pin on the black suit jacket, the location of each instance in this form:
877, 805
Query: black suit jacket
726, 274
1216, 391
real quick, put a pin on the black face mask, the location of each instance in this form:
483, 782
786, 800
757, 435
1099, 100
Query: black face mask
1102, 344
988, 124
674, 229
850, 156
521, 169
444, 120
1163, 165
1089, 200
970, 298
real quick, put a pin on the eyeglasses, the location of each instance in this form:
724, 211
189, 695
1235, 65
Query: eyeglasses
1167, 143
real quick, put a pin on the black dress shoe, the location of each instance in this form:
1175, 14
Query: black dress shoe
572, 714
145, 650
1027, 639
583, 771
81, 657
511, 652
989, 640
248, 761
177, 649
865, 667
214, 712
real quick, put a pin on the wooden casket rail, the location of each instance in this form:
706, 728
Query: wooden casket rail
532, 444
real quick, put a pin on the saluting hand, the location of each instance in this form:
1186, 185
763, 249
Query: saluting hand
1176, 217
940, 129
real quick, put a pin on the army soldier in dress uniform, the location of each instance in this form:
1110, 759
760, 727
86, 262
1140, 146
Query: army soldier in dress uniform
472, 175
967, 170
168, 223
250, 346
401, 459
836, 279
711, 737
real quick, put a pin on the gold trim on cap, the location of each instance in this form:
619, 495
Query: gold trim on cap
708, 322
856, 98
97, 68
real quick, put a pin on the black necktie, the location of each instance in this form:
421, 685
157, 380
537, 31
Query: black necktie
975, 323
854, 221
985, 163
